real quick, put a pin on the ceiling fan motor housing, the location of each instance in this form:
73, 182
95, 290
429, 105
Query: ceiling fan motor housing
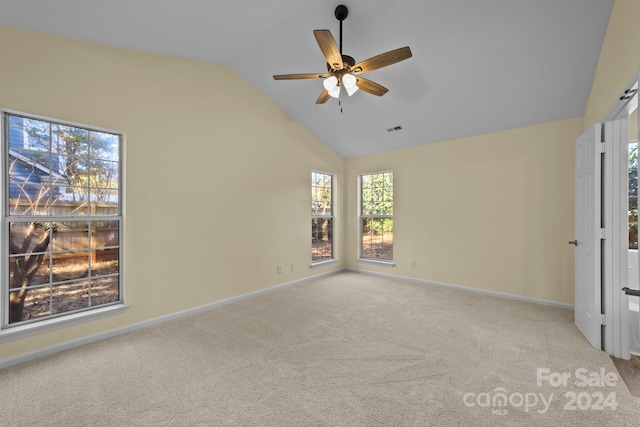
348, 62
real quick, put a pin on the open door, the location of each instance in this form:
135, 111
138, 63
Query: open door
588, 234
615, 303
602, 286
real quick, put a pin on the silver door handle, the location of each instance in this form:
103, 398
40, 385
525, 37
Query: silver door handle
573, 242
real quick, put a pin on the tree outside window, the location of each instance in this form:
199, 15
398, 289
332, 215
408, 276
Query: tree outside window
376, 216
321, 216
63, 216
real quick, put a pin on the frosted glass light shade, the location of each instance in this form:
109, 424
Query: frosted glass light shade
351, 90
349, 82
335, 92
330, 83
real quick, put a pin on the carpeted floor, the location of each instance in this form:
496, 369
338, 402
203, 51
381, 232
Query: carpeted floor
346, 349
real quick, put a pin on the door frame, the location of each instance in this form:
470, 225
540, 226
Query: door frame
615, 303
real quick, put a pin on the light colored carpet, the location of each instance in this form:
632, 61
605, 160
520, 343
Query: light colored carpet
346, 349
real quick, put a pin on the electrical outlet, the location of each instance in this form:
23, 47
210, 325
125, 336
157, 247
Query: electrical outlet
279, 269
293, 267
413, 263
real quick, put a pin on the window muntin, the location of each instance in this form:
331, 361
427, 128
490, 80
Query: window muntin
376, 216
62, 214
321, 217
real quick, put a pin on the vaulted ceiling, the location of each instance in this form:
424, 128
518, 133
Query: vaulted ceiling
477, 66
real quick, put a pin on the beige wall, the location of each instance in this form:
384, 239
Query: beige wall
492, 212
495, 211
217, 176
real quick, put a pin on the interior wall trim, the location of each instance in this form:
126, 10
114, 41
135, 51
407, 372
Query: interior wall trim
468, 289
26, 357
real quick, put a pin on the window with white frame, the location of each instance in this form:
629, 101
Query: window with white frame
321, 217
62, 219
376, 216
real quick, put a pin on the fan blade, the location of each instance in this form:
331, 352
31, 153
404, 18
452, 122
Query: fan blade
382, 60
324, 97
300, 76
329, 48
371, 87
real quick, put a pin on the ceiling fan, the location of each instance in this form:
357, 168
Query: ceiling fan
342, 70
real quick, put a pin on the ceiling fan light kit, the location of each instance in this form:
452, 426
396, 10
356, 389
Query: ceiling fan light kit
350, 83
342, 70
330, 83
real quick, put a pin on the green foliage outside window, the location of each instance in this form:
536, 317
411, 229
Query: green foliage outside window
376, 211
377, 200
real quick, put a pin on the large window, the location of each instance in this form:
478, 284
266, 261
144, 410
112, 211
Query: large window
376, 216
321, 217
61, 219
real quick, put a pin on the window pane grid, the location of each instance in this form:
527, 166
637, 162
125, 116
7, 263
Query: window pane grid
376, 216
63, 218
64, 166
321, 217
81, 255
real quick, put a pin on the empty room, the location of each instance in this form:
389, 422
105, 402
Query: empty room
471, 252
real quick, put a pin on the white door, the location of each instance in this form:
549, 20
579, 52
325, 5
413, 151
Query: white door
588, 185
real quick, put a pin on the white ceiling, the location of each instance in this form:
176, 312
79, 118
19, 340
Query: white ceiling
477, 66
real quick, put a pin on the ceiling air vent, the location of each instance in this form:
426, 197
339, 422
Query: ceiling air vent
395, 128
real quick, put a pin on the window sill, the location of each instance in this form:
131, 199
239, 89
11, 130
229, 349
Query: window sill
22, 331
376, 262
323, 262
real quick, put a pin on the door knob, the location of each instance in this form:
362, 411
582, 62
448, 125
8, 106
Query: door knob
573, 242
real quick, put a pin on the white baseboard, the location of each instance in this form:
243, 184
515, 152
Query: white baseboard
466, 288
26, 357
